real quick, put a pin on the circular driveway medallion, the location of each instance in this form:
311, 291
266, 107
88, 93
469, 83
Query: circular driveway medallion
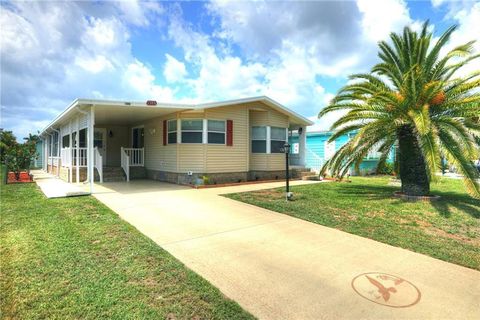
386, 289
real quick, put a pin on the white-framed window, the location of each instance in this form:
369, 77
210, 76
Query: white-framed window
216, 131
172, 131
192, 131
259, 139
278, 138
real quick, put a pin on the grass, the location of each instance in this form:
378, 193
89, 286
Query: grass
447, 229
73, 258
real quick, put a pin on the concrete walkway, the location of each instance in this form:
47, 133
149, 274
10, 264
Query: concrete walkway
54, 187
280, 267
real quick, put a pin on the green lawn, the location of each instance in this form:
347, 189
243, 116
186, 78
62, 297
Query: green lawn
447, 229
75, 259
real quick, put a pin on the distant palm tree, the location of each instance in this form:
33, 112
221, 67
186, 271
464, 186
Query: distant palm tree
414, 99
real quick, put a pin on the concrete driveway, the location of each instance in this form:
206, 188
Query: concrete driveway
279, 267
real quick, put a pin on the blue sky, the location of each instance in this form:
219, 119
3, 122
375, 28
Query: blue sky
298, 53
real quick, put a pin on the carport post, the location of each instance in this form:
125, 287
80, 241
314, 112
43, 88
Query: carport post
286, 148
90, 147
77, 153
70, 152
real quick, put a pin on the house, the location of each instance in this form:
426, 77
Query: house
317, 150
227, 141
38, 161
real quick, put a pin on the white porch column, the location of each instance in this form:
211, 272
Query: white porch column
77, 147
90, 159
45, 153
59, 161
302, 147
51, 150
70, 152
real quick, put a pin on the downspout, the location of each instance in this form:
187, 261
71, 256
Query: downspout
78, 148
58, 150
91, 121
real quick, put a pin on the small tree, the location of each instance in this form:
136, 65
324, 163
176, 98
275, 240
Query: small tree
7, 141
20, 156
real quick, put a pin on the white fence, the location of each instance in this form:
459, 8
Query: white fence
136, 156
98, 163
66, 157
125, 161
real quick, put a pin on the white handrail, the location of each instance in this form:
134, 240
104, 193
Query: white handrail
125, 162
99, 164
136, 156
82, 157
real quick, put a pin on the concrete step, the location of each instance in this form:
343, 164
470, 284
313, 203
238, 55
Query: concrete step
306, 173
314, 177
111, 174
114, 179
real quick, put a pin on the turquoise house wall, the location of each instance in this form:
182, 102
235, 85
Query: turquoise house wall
316, 150
39, 150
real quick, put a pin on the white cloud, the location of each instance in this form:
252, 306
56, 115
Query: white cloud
174, 70
94, 65
382, 17
468, 20
437, 3
138, 12
217, 77
55, 52
141, 79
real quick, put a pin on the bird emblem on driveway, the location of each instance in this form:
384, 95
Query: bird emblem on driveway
384, 291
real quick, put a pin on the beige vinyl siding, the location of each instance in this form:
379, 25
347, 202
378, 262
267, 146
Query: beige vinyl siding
273, 118
222, 158
191, 156
210, 158
158, 156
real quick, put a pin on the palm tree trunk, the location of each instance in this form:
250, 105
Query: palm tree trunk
413, 172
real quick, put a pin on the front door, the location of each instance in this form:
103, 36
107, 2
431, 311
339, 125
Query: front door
137, 137
100, 142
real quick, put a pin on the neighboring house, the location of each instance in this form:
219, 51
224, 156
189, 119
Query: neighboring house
227, 141
318, 150
38, 162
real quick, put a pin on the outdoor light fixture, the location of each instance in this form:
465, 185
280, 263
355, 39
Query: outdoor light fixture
152, 131
110, 133
300, 130
288, 194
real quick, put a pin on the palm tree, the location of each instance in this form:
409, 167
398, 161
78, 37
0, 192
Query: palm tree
415, 99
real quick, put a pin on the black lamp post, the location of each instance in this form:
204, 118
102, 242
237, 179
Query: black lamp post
288, 194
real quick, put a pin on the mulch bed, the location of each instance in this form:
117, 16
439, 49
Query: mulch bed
24, 177
205, 186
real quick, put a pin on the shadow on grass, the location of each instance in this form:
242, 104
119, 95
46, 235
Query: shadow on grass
448, 200
444, 206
